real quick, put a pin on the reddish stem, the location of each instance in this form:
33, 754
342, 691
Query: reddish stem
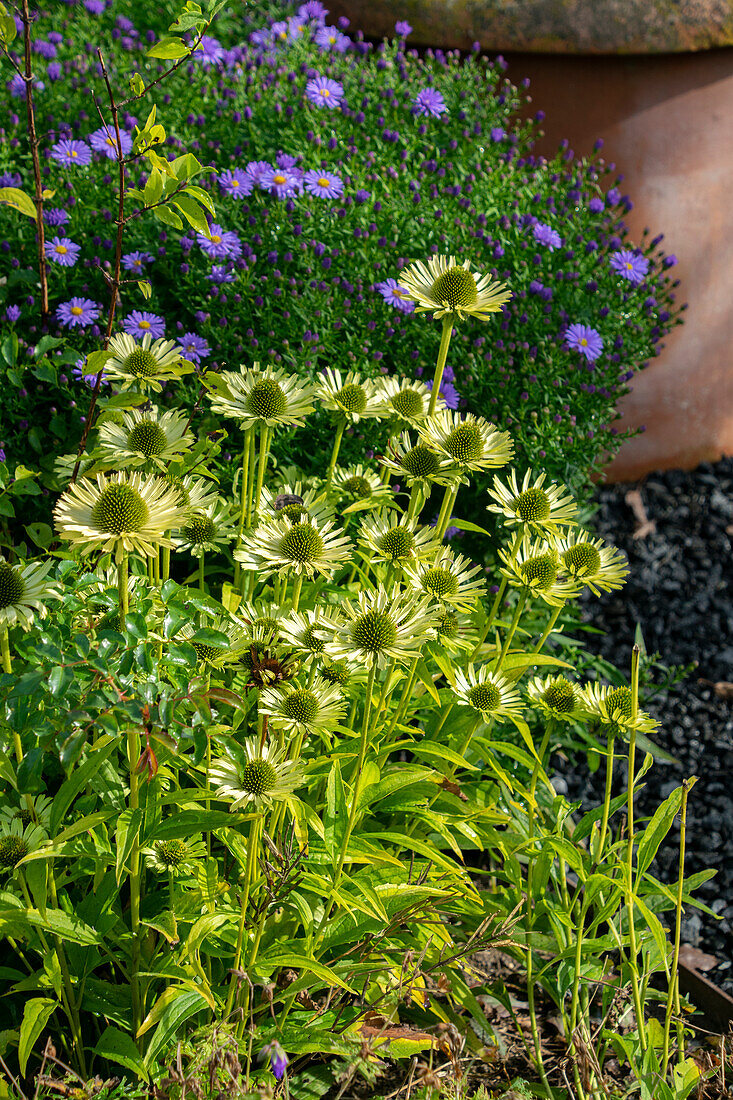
33, 141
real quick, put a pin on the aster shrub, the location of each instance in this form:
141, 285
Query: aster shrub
334, 164
276, 761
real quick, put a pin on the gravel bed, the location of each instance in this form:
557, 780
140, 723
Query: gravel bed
680, 590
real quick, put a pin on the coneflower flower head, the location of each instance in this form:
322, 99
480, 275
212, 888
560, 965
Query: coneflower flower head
296, 706
260, 396
449, 579
256, 774
381, 626
590, 562
279, 546
146, 364
555, 697
405, 399
443, 286
361, 488
351, 397
468, 442
24, 588
421, 462
614, 707
534, 505
397, 540
490, 693
145, 438
535, 567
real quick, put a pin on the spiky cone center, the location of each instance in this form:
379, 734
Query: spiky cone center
440, 582
258, 777
619, 700
12, 850
407, 403
120, 508
582, 560
148, 438
270, 625
200, 530
266, 399
397, 543
540, 573
302, 543
12, 588
337, 673
374, 631
358, 487
25, 816
455, 289
420, 461
448, 625
171, 852
560, 696
110, 621
484, 697
141, 363
312, 641
301, 706
206, 652
296, 513
177, 483
465, 443
533, 506
352, 398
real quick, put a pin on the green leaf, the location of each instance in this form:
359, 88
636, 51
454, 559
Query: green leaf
40, 533
137, 84
464, 525
145, 289
192, 212
169, 49
203, 197
657, 830
187, 822
176, 1005
153, 188
19, 201
96, 361
336, 814
8, 30
302, 962
118, 1047
163, 214
35, 1018
128, 830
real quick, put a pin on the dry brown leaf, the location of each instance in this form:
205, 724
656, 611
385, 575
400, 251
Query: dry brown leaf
696, 959
644, 525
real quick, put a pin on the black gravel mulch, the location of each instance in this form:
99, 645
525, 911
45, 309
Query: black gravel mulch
680, 591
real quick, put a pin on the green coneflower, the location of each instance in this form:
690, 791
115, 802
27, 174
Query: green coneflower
266, 396
420, 462
303, 549
206, 530
382, 626
469, 442
592, 563
175, 857
120, 513
217, 655
147, 364
305, 631
405, 399
361, 488
449, 579
534, 505
351, 397
18, 841
613, 707
23, 590
487, 692
262, 620
555, 697
397, 540
257, 774
195, 494
454, 631
535, 567
144, 438
442, 286
39, 813
296, 503
303, 708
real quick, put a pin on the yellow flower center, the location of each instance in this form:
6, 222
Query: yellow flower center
144, 324
216, 239
323, 182
235, 183
279, 179
74, 153
325, 92
77, 311
110, 142
61, 249
583, 342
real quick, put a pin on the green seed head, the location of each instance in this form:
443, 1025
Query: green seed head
420, 461
266, 399
408, 403
582, 560
465, 443
294, 512
148, 438
619, 700
301, 706
171, 852
485, 697
177, 483
540, 573
302, 543
206, 652
110, 621
455, 289
120, 508
448, 625
560, 696
352, 398
440, 583
268, 624
374, 631
533, 506
258, 777
337, 673
25, 816
312, 641
358, 487
12, 850
141, 363
199, 530
397, 543
11, 586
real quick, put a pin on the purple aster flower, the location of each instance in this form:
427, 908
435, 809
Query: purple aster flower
547, 236
135, 261
210, 51
104, 140
194, 347
312, 9
236, 182
596, 206
396, 295
429, 102
262, 38
613, 195
70, 152
56, 38
279, 30
327, 185
55, 216
584, 339
256, 170
139, 322
54, 71
331, 38
296, 27
497, 133
219, 274
77, 312
94, 7
16, 86
630, 265
324, 92
10, 179
12, 314
45, 49
2, 455
403, 28
282, 182
278, 1058
447, 391
670, 261
91, 379
222, 244
61, 250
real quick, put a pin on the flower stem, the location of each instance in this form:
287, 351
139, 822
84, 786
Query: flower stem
265, 435
400, 708
133, 747
201, 571
446, 508
165, 564
529, 914
252, 846
122, 570
673, 991
513, 626
416, 500
610, 737
243, 498
497, 599
445, 336
633, 950
548, 629
297, 585
335, 452
5, 647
